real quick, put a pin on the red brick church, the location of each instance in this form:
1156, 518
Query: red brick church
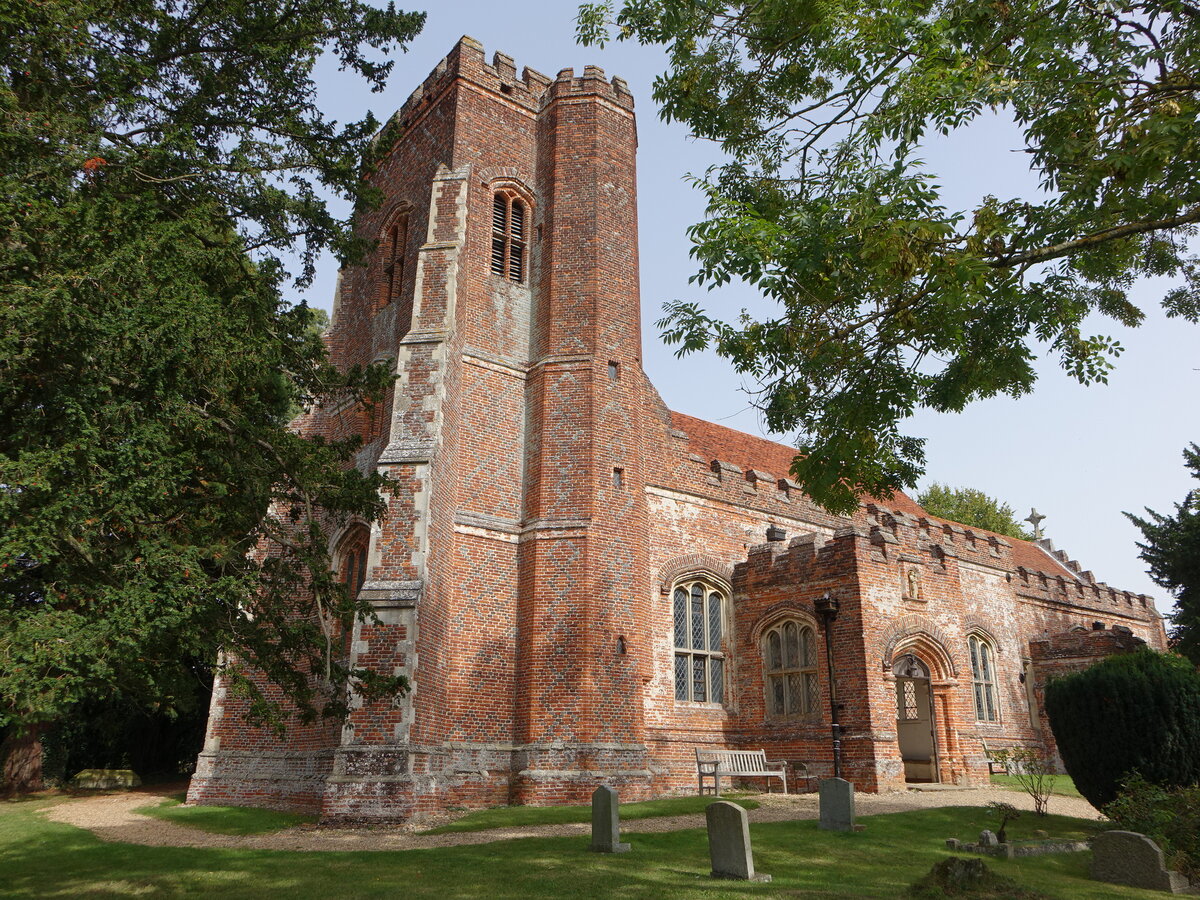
583, 586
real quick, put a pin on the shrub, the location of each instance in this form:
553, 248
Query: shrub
1134, 712
1169, 817
1006, 813
1033, 772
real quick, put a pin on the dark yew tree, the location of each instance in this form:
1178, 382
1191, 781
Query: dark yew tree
159, 159
1172, 551
1135, 713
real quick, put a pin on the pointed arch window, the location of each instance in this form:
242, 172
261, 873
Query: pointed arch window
509, 227
790, 660
392, 244
352, 559
699, 618
983, 679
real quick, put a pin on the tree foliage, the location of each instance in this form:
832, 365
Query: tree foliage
888, 299
158, 161
1147, 707
972, 507
1172, 551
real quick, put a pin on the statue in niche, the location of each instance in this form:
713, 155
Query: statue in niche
912, 583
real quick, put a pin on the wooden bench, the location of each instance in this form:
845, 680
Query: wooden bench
713, 764
994, 761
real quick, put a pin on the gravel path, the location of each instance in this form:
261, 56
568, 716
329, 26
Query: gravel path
112, 817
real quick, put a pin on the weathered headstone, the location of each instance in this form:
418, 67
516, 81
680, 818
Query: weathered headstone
988, 838
606, 822
1129, 858
729, 842
837, 805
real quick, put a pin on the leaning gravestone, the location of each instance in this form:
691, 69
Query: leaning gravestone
606, 822
837, 805
988, 839
1129, 858
729, 842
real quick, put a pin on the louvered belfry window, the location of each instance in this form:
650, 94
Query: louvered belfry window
509, 228
698, 610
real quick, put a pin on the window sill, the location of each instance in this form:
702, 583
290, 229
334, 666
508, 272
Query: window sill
700, 706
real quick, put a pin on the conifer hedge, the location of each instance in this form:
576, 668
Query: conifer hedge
1137, 712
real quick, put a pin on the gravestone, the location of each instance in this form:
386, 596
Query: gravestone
606, 822
1129, 858
729, 842
988, 838
837, 805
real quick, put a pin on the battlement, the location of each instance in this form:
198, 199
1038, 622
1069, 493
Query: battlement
894, 526
803, 558
531, 90
591, 83
1046, 586
1068, 585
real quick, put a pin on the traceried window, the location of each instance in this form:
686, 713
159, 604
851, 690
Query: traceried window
352, 559
983, 679
790, 658
392, 244
699, 610
509, 214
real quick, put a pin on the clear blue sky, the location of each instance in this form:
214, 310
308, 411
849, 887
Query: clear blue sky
1080, 455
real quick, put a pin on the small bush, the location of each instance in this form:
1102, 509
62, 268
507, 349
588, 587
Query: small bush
1169, 817
1137, 712
1032, 771
1006, 813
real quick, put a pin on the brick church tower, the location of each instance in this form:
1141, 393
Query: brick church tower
509, 572
573, 577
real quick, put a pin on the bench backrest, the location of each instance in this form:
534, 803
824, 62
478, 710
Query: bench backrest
735, 761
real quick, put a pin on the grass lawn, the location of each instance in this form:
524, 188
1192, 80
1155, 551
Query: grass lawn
224, 819
41, 859
1063, 785
507, 816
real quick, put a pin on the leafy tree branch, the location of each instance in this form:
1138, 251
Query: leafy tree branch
888, 299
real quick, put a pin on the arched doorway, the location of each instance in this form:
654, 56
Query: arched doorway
915, 729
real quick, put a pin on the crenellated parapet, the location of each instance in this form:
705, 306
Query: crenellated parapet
1057, 588
467, 61
896, 532
531, 89
804, 559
